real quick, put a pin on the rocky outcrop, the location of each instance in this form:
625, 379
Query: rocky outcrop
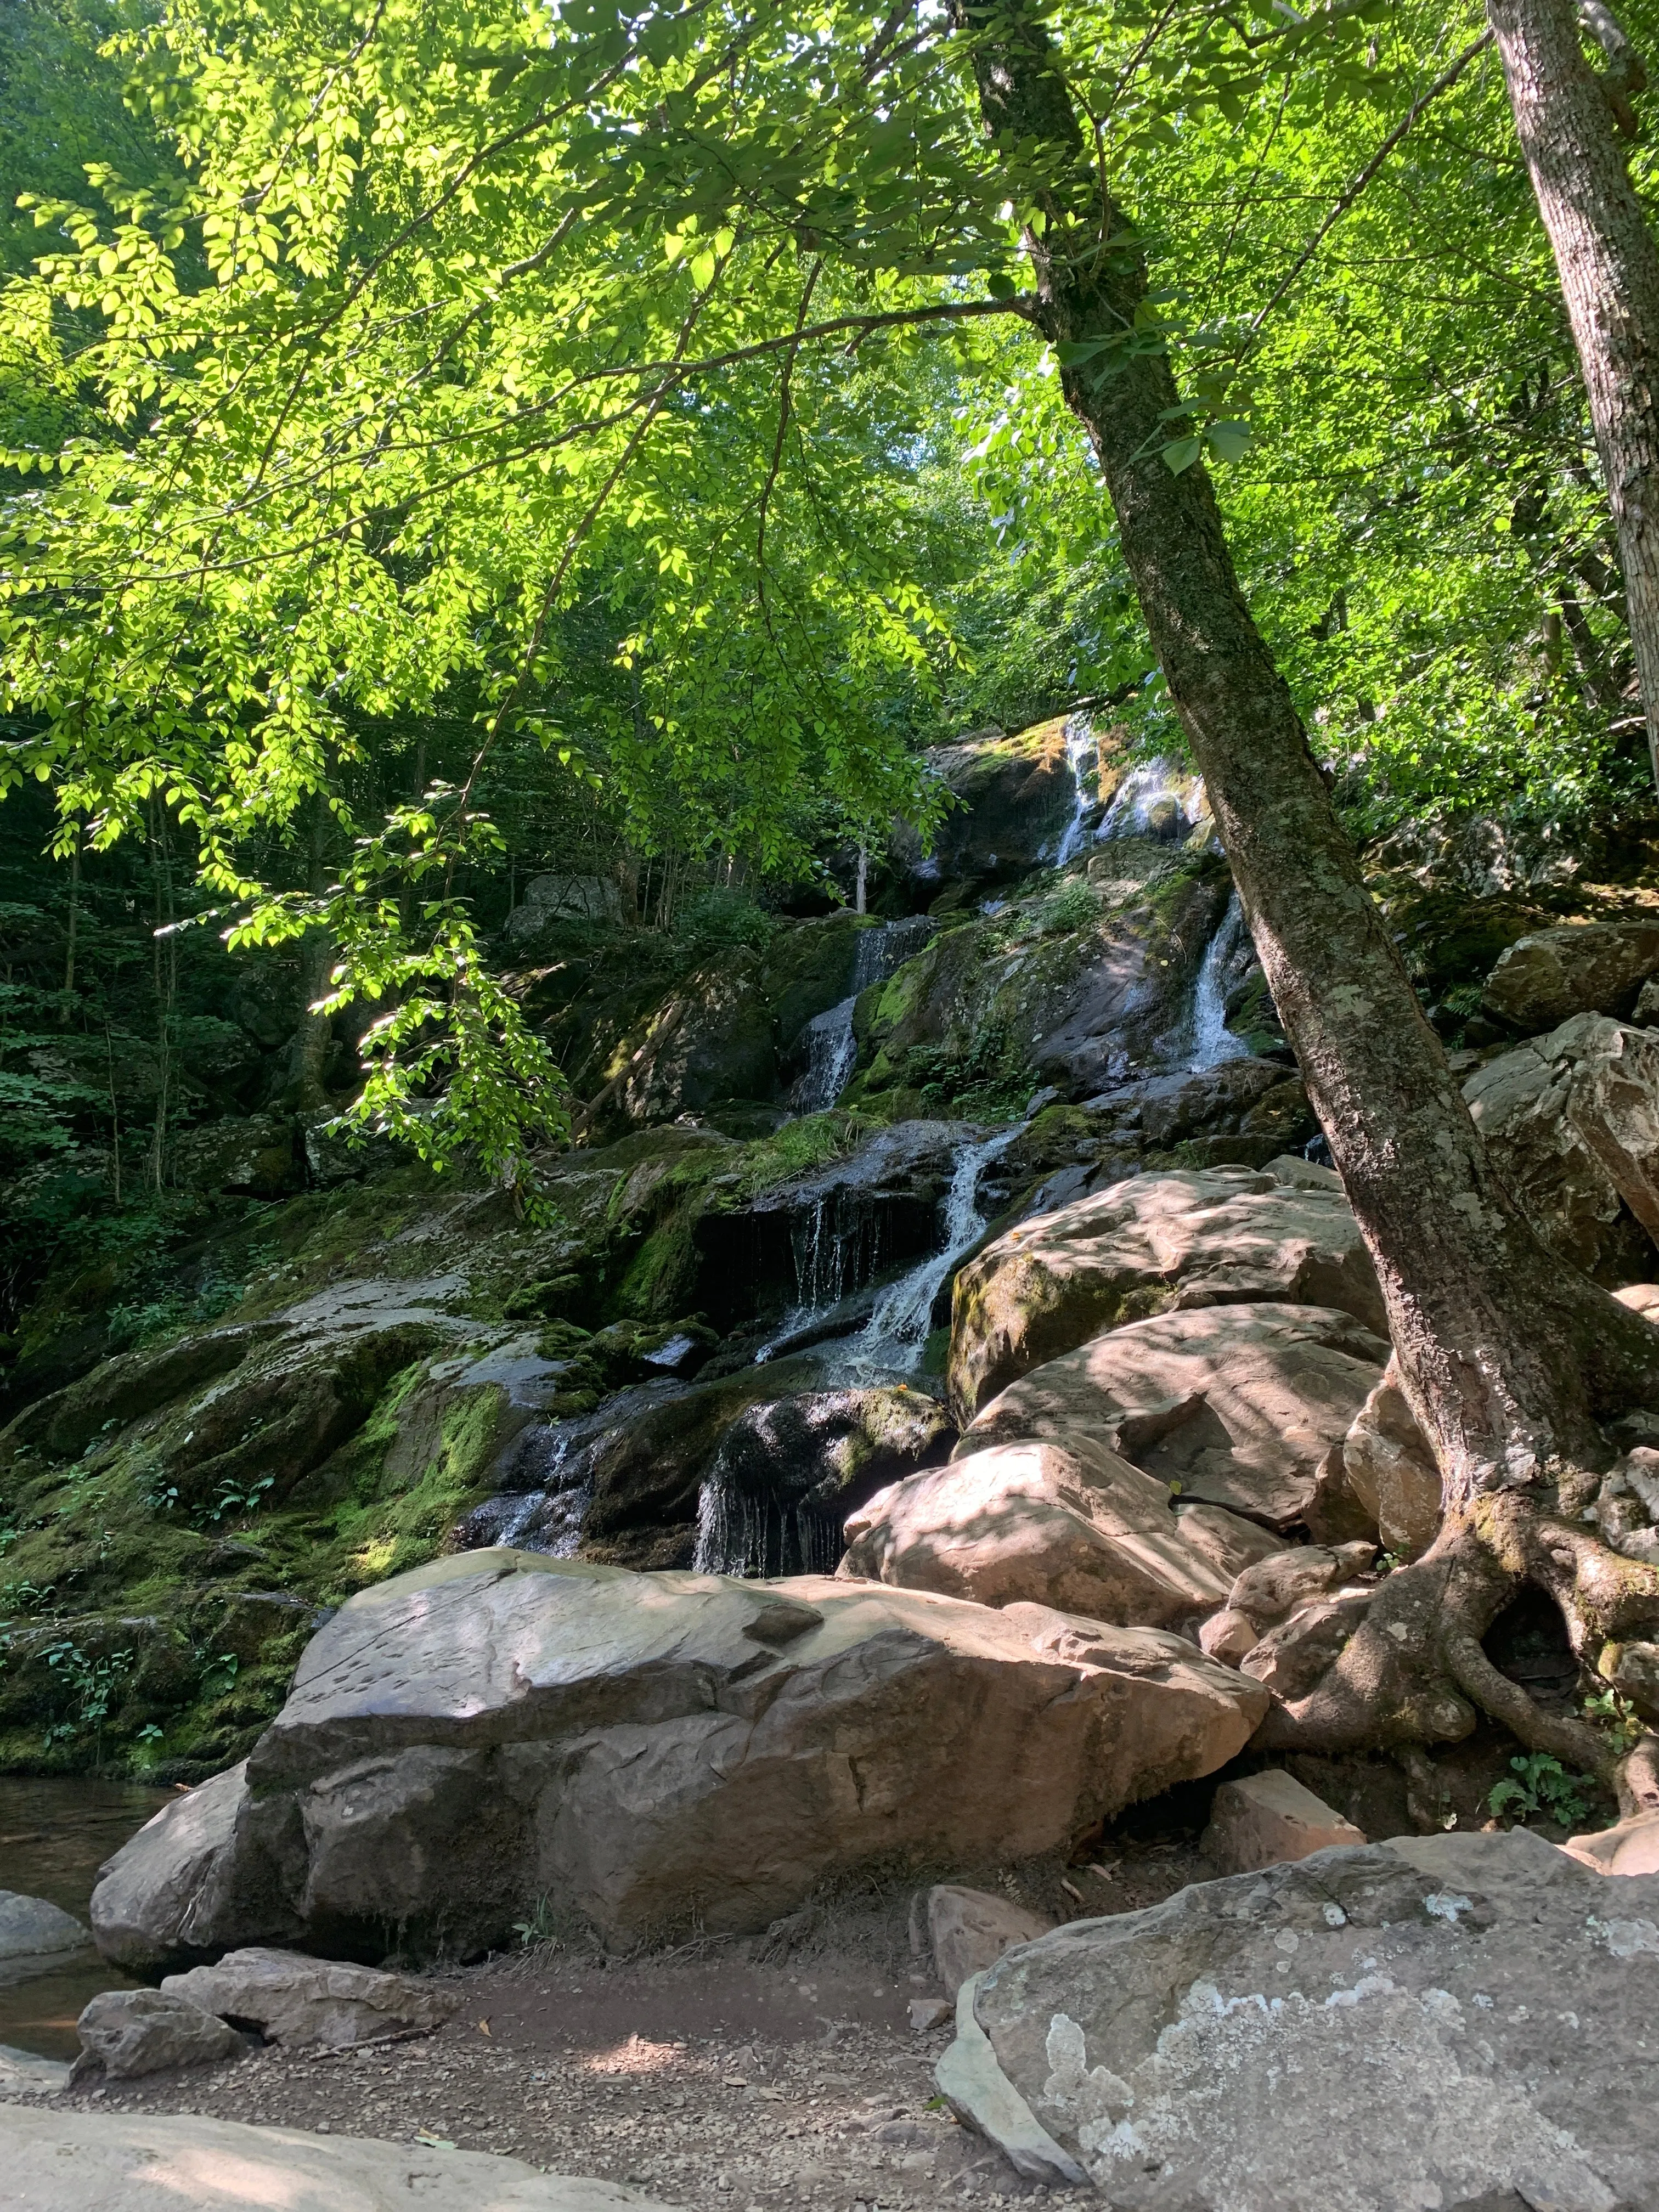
61, 2160
638, 1748
1234, 1405
1074, 1527
1583, 967
1011, 797
1435, 2021
1153, 1244
300, 2002
1571, 1121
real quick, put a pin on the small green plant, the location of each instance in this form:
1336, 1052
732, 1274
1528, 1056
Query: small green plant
1544, 1787
218, 1677
93, 1681
1074, 905
540, 1927
1623, 1724
234, 1498
25, 1596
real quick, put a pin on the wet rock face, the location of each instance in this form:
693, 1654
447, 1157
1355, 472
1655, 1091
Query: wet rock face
1236, 1405
1174, 1240
1572, 1120
789, 1470
1436, 2021
492, 1729
1013, 796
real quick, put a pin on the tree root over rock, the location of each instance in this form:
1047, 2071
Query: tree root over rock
1412, 1672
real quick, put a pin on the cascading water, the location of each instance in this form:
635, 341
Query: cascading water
1079, 739
1209, 1041
1151, 801
831, 1048
891, 1341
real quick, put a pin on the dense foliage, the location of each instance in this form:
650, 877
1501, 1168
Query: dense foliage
445, 439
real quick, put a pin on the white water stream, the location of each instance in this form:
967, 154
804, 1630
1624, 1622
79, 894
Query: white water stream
831, 1048
1209, 1041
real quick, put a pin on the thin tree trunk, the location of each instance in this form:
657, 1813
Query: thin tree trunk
1507, 1356
311, 1035
68, 999
1608, 264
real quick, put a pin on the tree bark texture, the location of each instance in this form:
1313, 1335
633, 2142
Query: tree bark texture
1608, 264
1507, 1357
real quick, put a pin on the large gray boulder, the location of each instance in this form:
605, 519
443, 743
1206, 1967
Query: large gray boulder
1581, 967
645, 1749
1433, 2022
154, 1898
1571, 1121
1073, 1526
299, 2001
1233, 1406
1155, 1243
76, 2162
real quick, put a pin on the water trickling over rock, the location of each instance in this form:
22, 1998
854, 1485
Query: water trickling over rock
831, 1048
1209, 1041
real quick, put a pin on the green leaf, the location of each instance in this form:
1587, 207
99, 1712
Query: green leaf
1228, 441
1182, 454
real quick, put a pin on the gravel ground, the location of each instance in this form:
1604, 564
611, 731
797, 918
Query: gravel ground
761, 2074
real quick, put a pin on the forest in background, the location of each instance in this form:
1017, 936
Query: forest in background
339, 600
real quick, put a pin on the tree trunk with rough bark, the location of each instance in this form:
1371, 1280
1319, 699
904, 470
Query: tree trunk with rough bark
1608, 264
1509, 1359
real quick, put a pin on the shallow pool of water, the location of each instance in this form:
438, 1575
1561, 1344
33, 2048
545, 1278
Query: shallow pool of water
56, 1831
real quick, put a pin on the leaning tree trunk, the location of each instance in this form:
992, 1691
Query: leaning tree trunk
1509, 1358
1608, 265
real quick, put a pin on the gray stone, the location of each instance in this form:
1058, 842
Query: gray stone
1572, 1120
1388, 1465
1272, 1589
979, 2093
150, 1905
1264, 1819
929, 2012
297, 2000
1369, 2030
1075, 1526
127, 2032
1234, 1406
74, 2161
1581, 967
1217, 1236
969, 1929
498, 1727
33, 1928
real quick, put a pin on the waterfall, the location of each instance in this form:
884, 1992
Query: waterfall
891, 1341
1136, 807
741, 1534
831, 1048
548, 1515
1209, 1041
1079, 736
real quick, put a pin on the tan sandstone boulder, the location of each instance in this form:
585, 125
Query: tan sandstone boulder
1157, 1242
1267, 1819
299, 2001
968, 1929
1385, 1464
1572, 1120
1073, 1526
1236, 1405
642, 1749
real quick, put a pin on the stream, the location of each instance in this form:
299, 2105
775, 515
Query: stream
56, 1831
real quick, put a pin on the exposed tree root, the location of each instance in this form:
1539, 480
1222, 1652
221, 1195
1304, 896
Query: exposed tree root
1413, 1672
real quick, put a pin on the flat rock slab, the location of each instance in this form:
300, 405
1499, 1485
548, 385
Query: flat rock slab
500, 1727
1630, 1846
67, 2162
1426, 2023
1210, 1236
1236, 1405
33, 1927
21, 2072
1265, 1819
296, 2001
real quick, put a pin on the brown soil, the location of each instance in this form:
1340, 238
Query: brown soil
768, 2072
